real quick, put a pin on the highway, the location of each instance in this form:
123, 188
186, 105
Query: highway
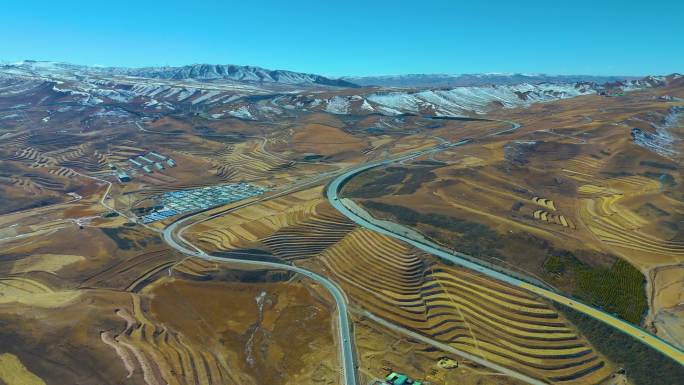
448, 348
346, 344
332, 193
172, 237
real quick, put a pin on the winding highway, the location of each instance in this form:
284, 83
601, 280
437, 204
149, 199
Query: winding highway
171, 237
332, 193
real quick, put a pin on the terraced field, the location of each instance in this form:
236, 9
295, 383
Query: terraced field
391, 280
583, 167
192, 332
121, 153
247, 161
32, 292
470, 312
294, 226
619, 227
163, 356
311, 236
131, 273
553, 218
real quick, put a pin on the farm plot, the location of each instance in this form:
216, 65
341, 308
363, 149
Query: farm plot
468, 311
244, 228
247, 161
163, 356
619, 227
183, 332
130, 273
32, 292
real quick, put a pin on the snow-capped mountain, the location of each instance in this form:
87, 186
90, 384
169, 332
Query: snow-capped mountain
197, 72
253, 93
469, 80
457, 101
212, 72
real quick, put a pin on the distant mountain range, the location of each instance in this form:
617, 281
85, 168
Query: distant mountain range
210, 72
470, 80
254, 93
198, 72
261, 76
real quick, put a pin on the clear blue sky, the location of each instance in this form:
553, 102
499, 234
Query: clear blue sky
369, 37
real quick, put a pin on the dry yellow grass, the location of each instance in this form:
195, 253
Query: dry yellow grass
325, 140
241, 228
50, 263
33, 293
180, 332
13, 372
247, 161
468, 311
618, 227
593, 190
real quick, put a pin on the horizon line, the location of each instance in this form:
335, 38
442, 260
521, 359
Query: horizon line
322, 73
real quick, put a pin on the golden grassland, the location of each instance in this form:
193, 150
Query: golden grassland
470, 312
325, 140
144, 323
13, 372
582, 186
146, 315
253, 335
381, 350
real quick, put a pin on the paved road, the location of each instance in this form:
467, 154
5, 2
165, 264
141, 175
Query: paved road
332, 192
453, 350
346, 344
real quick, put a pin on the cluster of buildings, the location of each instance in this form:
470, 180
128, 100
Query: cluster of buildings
152, 159
182, 201
145, 163
159, 215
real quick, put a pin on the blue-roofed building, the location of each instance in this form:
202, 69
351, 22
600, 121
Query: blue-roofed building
158, 156
395, 378
401, 380
150, 161
123, 177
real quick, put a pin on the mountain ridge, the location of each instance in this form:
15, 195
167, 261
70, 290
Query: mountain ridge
483, 79
197, 72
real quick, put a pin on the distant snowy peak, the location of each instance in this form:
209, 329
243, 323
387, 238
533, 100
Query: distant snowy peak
464, 101
474, 80
213, 72
254, 93
195, 72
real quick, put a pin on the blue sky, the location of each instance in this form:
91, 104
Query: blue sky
354, 37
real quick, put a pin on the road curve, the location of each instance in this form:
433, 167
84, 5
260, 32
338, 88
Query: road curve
332, 193
346, 345
448, 348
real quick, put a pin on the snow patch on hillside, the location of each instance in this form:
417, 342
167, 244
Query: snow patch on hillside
242, 113
664, 141
205, 96
367, 106
478, 100
338, 105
